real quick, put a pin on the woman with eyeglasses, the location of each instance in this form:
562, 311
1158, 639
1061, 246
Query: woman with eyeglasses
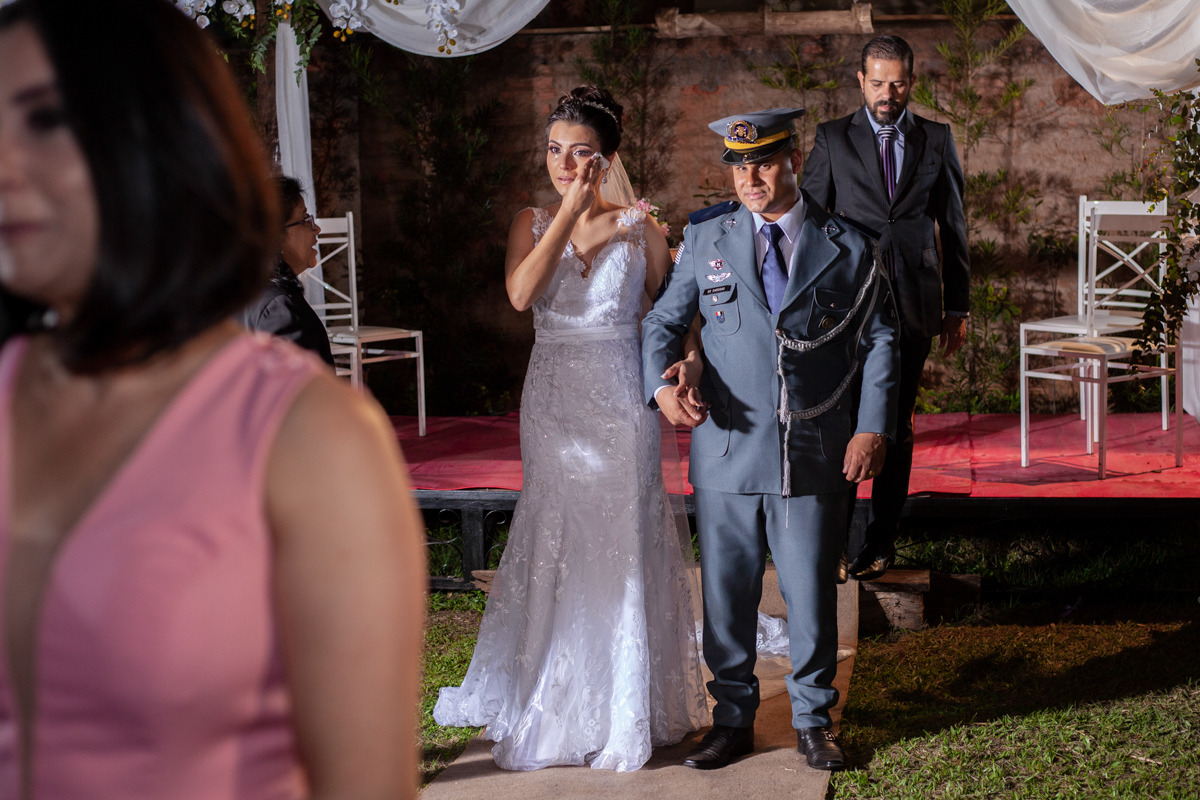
281, 309
211, 566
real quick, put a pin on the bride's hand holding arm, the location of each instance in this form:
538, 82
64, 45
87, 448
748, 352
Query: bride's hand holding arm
685, 398
687, 372
528, 270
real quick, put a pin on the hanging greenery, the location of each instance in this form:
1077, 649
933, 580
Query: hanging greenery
444, 246
258, 22
625, 61
808, 73
971, 95
1167, 308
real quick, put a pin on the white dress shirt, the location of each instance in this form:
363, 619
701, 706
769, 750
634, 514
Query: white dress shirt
790, 222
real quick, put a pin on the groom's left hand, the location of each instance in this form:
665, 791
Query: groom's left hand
864, 456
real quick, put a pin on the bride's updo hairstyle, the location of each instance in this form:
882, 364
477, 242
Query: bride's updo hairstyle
595, 108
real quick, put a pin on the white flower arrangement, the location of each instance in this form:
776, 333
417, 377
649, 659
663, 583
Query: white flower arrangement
197, 10
241, 10
443, 21
347, 17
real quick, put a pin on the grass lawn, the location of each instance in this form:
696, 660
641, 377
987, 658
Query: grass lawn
450, 631
1033, 701
1023, 703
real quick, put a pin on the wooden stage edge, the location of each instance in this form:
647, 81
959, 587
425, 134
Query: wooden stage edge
966, 474
481, 510
918, 506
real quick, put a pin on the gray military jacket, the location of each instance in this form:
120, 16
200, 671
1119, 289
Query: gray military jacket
826, 358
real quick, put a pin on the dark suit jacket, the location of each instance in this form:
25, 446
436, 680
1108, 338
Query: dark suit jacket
282, 311
843, 175
739, 448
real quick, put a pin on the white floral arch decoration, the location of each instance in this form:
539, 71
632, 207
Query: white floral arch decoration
435, 27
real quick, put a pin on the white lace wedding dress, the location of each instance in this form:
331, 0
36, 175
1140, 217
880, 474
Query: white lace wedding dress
587, 651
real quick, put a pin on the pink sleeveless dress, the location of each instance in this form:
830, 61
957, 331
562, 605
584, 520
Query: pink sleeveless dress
158, 669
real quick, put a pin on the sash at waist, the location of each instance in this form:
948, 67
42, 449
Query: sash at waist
600, 334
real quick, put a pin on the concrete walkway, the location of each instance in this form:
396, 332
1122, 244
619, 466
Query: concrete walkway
774, 769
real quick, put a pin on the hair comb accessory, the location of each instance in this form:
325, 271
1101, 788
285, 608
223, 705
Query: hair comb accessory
602, 107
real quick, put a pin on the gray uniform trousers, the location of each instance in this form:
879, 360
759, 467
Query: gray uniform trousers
804, 537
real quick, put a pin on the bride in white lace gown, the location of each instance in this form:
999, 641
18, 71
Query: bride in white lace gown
587, 651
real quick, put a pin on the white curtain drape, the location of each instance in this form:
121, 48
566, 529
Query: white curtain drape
1189, 340
295, 139
481, 24
1119, 50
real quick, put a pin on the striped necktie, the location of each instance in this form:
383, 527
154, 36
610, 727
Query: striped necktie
887, 156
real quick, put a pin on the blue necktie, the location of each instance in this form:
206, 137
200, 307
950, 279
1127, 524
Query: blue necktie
774, 272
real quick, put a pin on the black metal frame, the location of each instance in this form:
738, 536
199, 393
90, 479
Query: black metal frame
480, 511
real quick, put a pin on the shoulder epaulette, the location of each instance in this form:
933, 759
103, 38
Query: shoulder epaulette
713, 211
858, 226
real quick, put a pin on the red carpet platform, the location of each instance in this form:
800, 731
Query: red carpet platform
957, 455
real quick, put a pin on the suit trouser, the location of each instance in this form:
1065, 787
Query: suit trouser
805, 536
889, 490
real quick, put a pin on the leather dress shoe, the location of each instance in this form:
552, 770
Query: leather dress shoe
719, 746
843, 568
873, 562
821, 747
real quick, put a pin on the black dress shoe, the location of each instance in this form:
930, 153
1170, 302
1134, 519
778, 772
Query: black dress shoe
719, 746
821, 747
873, 561
843, 568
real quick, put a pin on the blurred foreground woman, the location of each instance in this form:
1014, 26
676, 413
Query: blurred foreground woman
185, 614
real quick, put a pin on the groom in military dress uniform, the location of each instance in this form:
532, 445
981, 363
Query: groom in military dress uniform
792, 309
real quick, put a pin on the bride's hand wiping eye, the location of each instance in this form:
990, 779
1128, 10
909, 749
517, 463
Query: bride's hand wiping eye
582, 192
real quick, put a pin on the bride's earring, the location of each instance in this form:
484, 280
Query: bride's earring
604, 179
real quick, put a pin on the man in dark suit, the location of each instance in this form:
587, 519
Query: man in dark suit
898, 173
792, 315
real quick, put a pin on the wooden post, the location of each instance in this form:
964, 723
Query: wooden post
671, 24
817, 23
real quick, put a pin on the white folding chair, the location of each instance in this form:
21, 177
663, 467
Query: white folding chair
355, 345
1111, 300
1106, 310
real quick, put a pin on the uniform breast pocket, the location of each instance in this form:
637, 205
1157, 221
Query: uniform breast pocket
829, 308
719, 306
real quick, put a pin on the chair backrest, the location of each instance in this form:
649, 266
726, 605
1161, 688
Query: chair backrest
1122, 248
335, 240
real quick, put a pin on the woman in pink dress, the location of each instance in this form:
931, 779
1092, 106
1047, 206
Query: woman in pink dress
188, 610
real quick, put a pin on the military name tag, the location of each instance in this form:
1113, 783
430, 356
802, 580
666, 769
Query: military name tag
717, 295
